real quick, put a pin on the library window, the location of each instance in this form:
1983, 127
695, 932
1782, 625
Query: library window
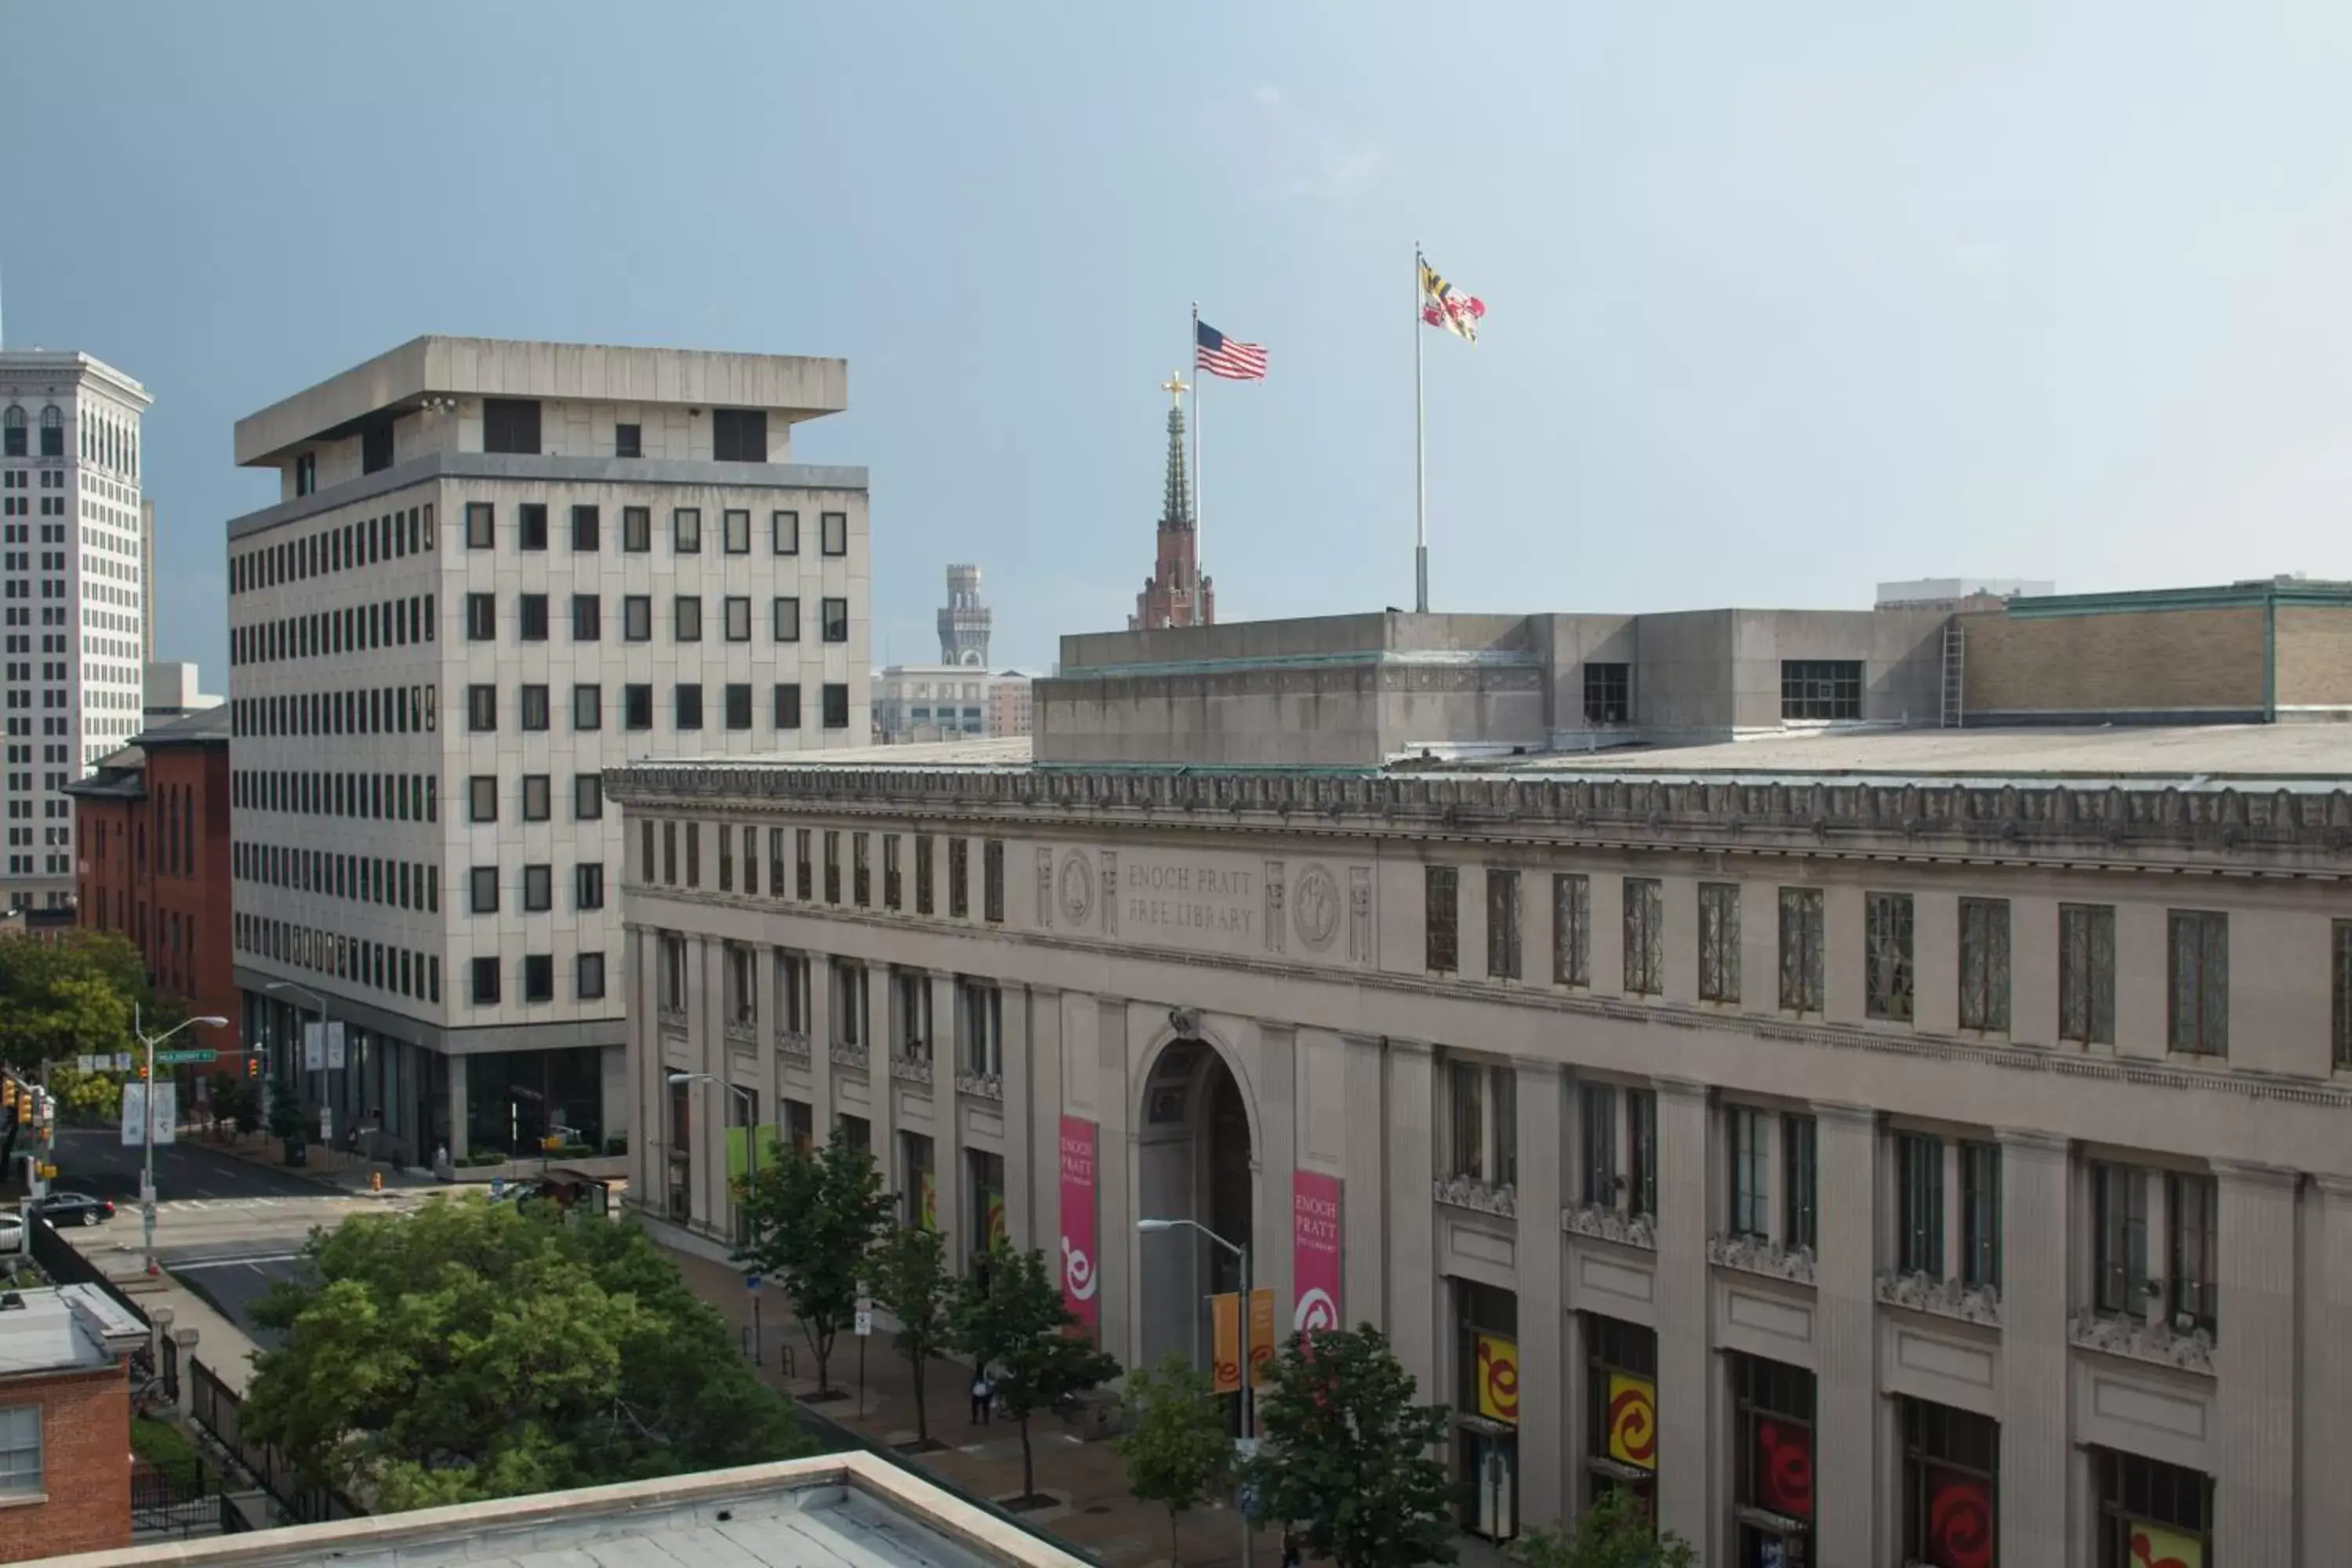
1820, 689
2197, 1003
1502, 924
1887, 961
1984, 964
1572, 929
1440, 886
1719, 941
1608, 693
1645, 936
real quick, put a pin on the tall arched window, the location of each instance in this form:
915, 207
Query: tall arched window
12, 432
53, 432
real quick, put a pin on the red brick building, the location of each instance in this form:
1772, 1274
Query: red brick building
151, 824
65, 1422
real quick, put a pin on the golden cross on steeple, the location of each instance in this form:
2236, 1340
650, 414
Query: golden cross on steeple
1175, 386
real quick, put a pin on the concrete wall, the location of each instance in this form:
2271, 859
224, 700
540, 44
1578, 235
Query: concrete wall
2186, 663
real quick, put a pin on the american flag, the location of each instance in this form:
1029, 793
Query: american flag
1220, 355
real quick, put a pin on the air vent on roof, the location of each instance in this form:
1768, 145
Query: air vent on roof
12, 1302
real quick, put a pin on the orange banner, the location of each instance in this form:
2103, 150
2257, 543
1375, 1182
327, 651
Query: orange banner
1260, 1336
1226, 1360
1498, 1378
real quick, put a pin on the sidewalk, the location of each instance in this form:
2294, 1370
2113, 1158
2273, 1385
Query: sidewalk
1096, 1514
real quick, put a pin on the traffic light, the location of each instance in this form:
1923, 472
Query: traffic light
143, 1072
252, 1066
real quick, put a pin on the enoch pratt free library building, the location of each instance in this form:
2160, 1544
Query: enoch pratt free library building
1890, 1108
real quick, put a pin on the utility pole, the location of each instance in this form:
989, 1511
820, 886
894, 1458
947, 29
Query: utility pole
147, 1108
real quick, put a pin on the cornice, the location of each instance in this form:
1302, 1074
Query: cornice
2295, 831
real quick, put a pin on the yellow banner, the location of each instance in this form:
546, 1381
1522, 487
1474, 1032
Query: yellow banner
1260, 1336
1498, 1378
992, 1203
1633, 1421
2153, 1546
1226, 1363
929, 1188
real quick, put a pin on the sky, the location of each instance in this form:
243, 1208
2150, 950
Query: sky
1782, 301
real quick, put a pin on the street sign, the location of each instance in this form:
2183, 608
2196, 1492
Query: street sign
865, 1316
1245, 1448
182, 1056
86, 1063
123, 1061
751, 1283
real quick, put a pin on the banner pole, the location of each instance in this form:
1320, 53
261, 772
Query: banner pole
1420, 456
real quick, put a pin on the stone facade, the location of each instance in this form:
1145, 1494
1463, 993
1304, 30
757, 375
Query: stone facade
1730, 1070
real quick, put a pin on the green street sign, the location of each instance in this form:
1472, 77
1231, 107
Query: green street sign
181, 1057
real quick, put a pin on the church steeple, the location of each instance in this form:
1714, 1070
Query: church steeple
1176, 505
1175, 594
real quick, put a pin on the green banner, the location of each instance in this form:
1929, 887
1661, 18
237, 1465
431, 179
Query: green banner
739, 1150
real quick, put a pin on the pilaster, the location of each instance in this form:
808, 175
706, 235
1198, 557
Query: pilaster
1116, 1252
827, 1111
1040, 1177
2036, 1366
647, 1129
1845, 1458
879, 1093
2327, 1338
1411, 1218
1544, 1493
2254, 1360
947, 1115
1688, 1498
1276, 1158
1022, 1006
1363, 1188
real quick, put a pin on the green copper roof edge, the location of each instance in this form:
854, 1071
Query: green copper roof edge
1368, 657
2251, 596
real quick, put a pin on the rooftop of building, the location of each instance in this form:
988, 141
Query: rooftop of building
63, 1328
838, 1510
72, 361
791, 386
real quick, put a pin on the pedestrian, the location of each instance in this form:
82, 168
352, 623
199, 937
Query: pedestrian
1293, 1554
982, 1394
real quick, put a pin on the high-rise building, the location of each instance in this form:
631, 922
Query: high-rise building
496, 569
74, 578
964, 621
1176, 595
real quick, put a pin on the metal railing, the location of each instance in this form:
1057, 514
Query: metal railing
215, 1407
177, 1498
65, 1266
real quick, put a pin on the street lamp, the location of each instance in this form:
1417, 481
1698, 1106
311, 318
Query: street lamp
1249, 1413
752, 1119
147, 1102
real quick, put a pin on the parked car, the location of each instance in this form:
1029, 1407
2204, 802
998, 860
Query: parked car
73, 1209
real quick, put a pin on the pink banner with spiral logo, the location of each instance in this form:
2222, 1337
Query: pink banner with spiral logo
1080, 1278
1315, 1250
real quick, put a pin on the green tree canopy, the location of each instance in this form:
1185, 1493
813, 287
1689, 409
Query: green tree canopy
1009, 1319
1177, 1449
814, 1218
1616, 1532
472, 1350
58, 999
1345, 1454
910, 1277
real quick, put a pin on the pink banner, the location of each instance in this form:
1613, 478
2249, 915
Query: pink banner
1078, 1269
1315, 1250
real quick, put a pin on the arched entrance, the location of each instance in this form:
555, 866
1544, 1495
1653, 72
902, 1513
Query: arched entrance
1196, 1164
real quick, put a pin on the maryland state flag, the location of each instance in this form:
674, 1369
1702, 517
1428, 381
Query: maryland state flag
1441, 305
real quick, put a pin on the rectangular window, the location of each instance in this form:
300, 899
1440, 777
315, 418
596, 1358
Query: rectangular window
588, 885
737, 620
685, 618
482, 798
1981, 1213
534, 708
1608, 693
669, 854
1800, 950
2340, 1052
800, 864
481, 525
1919, 1205
784, 619
1439, 885
2200, 991
1797, 1200
1719, 941
530, 525
482, 710
587, 617
2119, 1273
538, 977
1484, 1123
586, 526
835, 617
735, 531
837, 706
537, 797
959, 879
1951, 1476
1744, 1130
1502, 924
637, 617
739, 435
2191, 1206
482, 890
1984, 964
510, 425
922, 873
689, 706
587, 707
788, 706
890, 882
992, 882
694, 855
636, 707
861, 869
587, 797
1645, 936
486, 981
1887, 969
1642, 1152
2141, 1500
636, 529
835, 526
832, 866
590, 974
784, 532
20, 1451
481, 617
686, 530
537, 889
628, 440
1572, 929
1772, 1449
1820, 689
739, 705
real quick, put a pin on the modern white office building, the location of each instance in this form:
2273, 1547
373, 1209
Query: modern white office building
496, 571
1900, 1114
73, 575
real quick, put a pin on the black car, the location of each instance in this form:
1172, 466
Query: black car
73, 1209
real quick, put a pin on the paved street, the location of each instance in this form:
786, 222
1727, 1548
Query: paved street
93, 1160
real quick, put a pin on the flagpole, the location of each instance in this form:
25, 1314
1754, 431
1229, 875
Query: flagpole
1192, 353
1420, 445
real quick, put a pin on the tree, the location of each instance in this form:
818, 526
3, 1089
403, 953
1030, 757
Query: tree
62, 998
813, 1218
1616, 1532
1344, 1453
908, 1272
1008, 1314
472, 1350
1177, 1450
86, 1097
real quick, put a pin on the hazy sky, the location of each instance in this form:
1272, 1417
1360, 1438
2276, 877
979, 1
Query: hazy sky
1783, 300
